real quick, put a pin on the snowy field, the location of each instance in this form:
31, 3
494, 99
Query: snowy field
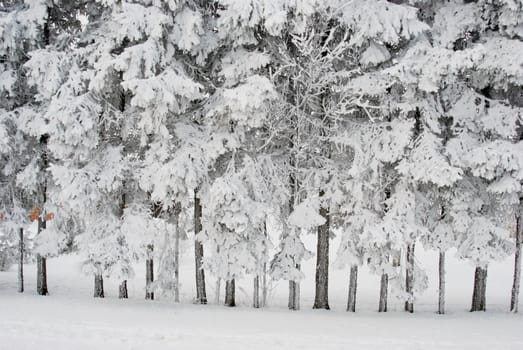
69, 318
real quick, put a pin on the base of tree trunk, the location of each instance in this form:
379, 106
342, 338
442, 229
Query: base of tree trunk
98, 286
441, 290
230, 290
41, 279
122, 290
294, 295
480, 286
321, 298
256, 293
353, 285
409, 279
384, 285
149, 278
514, 297
201, 294
21, 260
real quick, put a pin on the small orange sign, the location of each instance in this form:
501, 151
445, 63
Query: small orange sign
49, 216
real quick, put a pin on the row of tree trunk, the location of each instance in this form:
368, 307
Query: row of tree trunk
322, 264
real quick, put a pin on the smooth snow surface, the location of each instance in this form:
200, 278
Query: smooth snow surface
70, 318
32, 322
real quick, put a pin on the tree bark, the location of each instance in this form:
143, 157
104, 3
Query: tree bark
294, 293
263, 282
98, 286
41, 265
409, 280
230, 293
353, 286
441, 289
256, 293
201, 295
149, 273
177, 211
321, 299
21, 260
480, 286
514, 298
384, 285
41, 274
122, 290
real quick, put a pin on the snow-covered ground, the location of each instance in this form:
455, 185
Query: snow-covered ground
69, 318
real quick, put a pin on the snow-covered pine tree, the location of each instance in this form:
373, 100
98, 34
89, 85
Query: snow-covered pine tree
15, 202
41, 31
378, 207
485, 126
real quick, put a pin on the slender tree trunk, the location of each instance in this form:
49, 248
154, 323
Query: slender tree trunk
263, 282
21, 260
441, 290
256, 293
98, 286
41, 265
149, 273
230, 293
353, 286
409, 280
201, 295
294, 293
514, 298
122, 290
321, 299
480, 286
384, 285
177, 211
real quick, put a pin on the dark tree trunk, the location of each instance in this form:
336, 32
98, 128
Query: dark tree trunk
353, 286
201, 295
321, 299
177, 211
256, 293
480, 286
294, 293
264, 273
149, 273
264, 286
41, 266
122, 290
514, 298
98, 286
409, 280
21, 260
384, 285
41, 273
441, 289
230, 293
